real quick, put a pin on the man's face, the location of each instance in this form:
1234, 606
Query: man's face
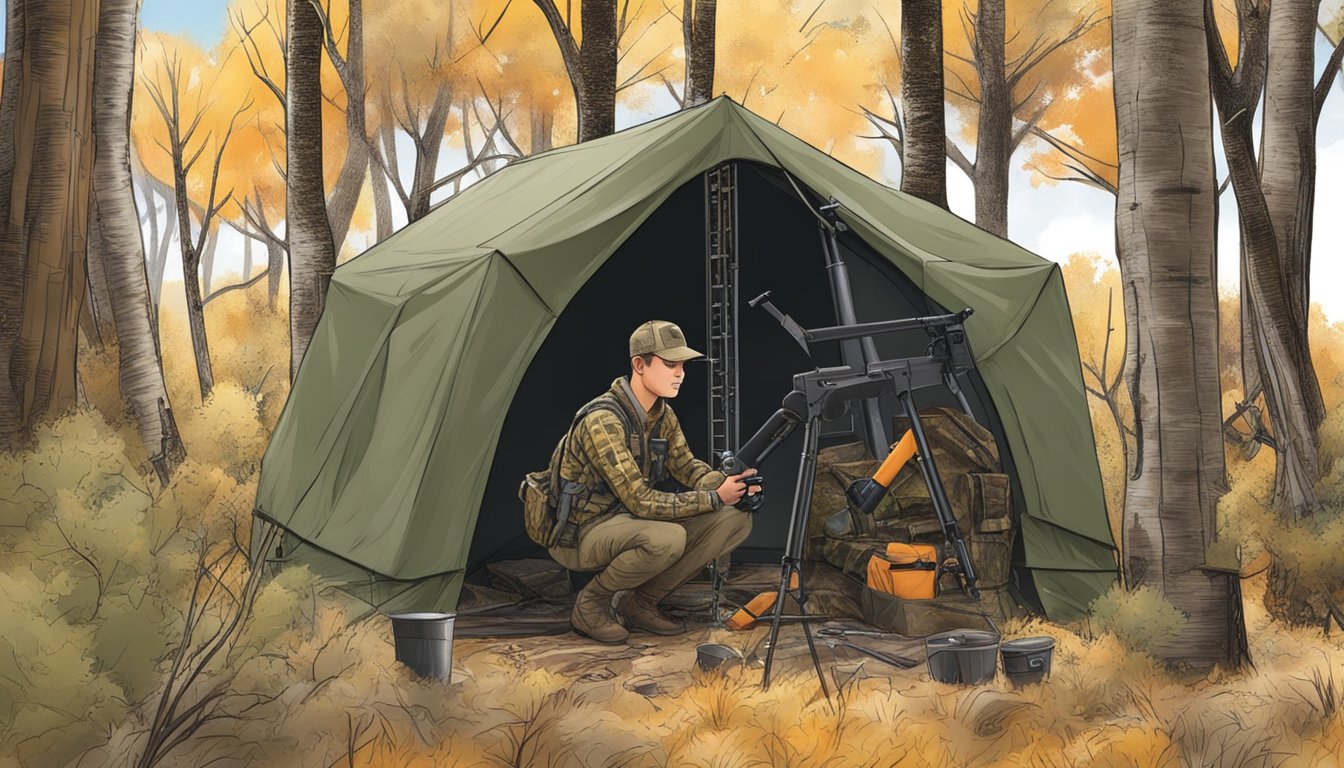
661, 377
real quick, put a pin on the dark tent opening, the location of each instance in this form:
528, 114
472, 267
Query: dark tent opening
660, 273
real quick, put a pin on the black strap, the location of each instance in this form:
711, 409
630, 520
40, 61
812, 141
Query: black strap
599, 403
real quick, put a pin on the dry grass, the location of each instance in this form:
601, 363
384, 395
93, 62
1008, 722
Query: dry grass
95, 573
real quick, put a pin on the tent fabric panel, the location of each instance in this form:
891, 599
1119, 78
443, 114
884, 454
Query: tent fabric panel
1002, 299
439, 592
504, 332
342, 370
1036, 383
1066, 595
1053, 548
362, 510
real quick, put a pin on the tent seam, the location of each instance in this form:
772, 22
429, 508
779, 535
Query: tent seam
1024, 316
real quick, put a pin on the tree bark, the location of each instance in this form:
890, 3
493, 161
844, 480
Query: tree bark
597, 65
697, 24
247, 256
1288, 170
382, 202
208, 261
993, 142
48, 211
1165, 237
312, 254
100, 328
1279, 358
350, 181
924, 149
117, 231
11, 248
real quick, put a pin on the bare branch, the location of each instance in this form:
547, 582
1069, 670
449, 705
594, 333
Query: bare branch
569, 50
254, 58
1328, 76
959, 158
1029, 63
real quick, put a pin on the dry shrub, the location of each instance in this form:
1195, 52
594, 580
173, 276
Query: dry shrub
1143, 619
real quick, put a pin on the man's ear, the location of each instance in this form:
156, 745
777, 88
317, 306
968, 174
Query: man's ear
637, 364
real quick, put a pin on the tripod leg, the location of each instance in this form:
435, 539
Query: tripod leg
786, 571
791, 562
807, 632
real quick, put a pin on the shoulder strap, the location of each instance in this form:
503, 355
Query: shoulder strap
599, 403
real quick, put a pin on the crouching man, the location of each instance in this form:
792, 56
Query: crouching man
645, 540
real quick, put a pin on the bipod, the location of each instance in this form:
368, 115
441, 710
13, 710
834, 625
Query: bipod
791, 564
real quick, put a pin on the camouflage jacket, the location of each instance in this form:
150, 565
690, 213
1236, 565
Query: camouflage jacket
617, 469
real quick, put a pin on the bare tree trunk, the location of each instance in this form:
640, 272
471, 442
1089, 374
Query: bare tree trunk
1279, 358
1165, 236
541, 124
924, 149
191, 286
697, 24
597, 67
161, 258
312, 254
382, 202
11, 242
275, 263
247, 256
48, 211
427, 153
99, 328
345, 194
1288, 170
208, 261
592, 68
993, 143
118, 233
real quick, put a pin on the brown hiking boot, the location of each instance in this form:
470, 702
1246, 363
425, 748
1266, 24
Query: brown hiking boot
592, 615
641, 612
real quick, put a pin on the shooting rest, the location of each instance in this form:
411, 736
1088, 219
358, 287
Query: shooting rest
825, 393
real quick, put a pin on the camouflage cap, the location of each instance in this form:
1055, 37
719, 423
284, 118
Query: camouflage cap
662, 339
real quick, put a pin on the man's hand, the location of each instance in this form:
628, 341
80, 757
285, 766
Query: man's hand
733, 489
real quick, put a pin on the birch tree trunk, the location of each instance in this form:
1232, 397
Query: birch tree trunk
993, 143
1280, 360
1288, 170
1165, 236
117, 235
345, 193
924, 149
247, 256
697, 24
382, 202
100, 327
312, 254
45, 228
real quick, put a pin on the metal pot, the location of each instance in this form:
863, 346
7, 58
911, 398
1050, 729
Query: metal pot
967, 656
1027, 660
712, 656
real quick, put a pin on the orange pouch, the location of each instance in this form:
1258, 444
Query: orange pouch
757, 607
907, 571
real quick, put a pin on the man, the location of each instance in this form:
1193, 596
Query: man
646, 541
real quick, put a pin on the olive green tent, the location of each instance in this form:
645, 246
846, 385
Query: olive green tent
451, 356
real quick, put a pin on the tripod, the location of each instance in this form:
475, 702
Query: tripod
825, 393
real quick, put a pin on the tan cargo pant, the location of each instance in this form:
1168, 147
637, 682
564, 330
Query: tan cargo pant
654, 555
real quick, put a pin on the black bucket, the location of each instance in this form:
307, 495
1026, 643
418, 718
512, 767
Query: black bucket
968, 656
1027, 660
424, 643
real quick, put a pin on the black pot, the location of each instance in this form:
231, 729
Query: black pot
1027, 660
967, 656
